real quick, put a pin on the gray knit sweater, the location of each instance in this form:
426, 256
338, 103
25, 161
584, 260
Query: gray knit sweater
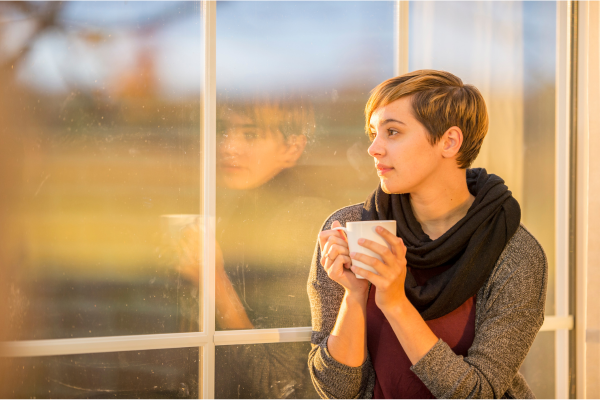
509, 314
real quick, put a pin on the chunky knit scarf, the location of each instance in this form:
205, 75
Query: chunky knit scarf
472, 246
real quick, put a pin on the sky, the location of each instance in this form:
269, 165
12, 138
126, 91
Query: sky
274, 46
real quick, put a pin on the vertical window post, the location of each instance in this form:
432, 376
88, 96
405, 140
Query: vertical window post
209, 103
401, 37
564, 75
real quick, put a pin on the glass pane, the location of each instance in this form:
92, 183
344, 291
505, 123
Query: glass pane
263, 371
293, 81
592, 352
152, 374
539, 366
101, 119
507, 50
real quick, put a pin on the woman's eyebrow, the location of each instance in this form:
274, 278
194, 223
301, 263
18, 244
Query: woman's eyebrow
387, 121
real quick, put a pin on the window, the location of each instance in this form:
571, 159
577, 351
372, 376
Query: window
173, 163
508, 51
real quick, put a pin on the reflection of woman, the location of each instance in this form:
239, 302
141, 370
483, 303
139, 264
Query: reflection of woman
265, 210
265, 215
459, 298
266, 225
266, 222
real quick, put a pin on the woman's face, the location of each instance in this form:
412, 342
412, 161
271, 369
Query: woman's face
405, 159
249, 156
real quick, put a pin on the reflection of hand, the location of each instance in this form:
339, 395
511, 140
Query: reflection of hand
336, 261
189, 252
230, 312
391, 272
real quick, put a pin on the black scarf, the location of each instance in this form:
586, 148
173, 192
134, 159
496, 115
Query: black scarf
472, 245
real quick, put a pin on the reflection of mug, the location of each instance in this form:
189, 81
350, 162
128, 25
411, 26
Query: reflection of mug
173, 225
182, 241
366, 230
182, 236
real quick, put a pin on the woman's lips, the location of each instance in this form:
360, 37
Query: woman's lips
383, 169
231, 168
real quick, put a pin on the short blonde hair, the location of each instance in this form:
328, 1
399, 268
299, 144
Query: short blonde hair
440, 101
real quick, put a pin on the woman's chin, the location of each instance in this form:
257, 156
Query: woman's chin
389, 187
386, 187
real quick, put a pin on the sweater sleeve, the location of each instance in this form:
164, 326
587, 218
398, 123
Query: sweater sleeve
513, 312
331, 378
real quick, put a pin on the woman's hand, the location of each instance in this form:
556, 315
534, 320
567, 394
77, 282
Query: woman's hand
336, 261
413, 333
392, 271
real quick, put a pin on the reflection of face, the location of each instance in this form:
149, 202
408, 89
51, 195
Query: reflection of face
404, 157
249, 156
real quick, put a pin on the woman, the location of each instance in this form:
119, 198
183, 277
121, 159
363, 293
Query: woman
458, 300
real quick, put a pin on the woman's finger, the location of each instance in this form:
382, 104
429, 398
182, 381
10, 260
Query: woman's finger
402, 247
347, 261
336, 272
324, 235
396, 243
372, 277
380, 267
386, 254
336, 224
325, 254
337, 240
333, 241
330, 266
326, 263
335, 250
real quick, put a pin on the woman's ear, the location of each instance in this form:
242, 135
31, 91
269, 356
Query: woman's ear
451, 142
295, 147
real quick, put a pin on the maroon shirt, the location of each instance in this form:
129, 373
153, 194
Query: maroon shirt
394, 379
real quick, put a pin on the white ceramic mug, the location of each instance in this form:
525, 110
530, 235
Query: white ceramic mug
366, 230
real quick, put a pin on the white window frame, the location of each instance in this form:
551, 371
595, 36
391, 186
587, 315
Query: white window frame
206, 340
207, 353
588, 90
563, 158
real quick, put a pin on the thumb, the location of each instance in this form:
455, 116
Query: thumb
340, 233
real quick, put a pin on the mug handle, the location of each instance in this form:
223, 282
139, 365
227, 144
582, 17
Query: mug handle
342, 229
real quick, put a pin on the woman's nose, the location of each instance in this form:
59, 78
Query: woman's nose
230, 144
376, 149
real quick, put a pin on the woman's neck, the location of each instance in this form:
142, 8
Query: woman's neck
439, 209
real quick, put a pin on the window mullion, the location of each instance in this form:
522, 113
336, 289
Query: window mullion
209, 101
563, 172
401, 37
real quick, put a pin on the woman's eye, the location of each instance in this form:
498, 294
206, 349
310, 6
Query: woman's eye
251, 135
392, 132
